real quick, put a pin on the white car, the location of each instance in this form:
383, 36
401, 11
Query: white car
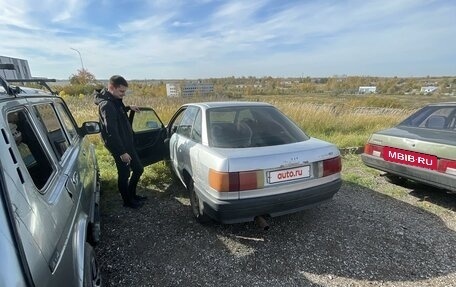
240, 160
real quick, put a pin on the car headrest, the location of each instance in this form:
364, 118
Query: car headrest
436, 122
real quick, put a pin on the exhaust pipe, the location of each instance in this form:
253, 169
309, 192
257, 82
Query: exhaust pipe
261, 222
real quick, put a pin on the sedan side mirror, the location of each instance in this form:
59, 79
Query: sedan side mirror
152, 125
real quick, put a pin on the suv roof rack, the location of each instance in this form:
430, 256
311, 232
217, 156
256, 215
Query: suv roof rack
14, 90
41, 81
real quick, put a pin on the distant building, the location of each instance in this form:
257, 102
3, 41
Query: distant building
428, 89
188, 89
256, 86
172, 90
367, 90
21, 71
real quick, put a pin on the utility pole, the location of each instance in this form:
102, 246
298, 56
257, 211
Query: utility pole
80, 57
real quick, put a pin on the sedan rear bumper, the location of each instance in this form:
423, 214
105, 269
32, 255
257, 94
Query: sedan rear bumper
426, 176
243, 210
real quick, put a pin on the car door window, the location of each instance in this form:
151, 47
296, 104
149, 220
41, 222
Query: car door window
30, 148
67, 121
53, 129
197, 127
149, 135
145, 120
176, 120
185, 126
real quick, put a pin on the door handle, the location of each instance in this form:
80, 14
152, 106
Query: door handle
75, 178
69, 192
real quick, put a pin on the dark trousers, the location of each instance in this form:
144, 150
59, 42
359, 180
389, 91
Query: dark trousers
126, 184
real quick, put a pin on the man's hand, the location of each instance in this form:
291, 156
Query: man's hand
134, 108
126, 158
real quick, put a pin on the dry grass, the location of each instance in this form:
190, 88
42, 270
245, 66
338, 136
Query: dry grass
345, 122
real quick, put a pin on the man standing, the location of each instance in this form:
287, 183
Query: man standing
117, 136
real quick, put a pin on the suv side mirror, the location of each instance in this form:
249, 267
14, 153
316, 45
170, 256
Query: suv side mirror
89, 128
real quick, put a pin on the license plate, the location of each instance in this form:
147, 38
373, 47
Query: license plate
288, 174
410, 158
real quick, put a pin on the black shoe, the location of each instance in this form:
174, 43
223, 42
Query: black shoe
139, 198
132, 204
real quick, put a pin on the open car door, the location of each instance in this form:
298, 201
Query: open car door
149, 135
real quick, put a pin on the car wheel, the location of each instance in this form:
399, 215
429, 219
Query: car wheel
196, 204
92, 275
395, 179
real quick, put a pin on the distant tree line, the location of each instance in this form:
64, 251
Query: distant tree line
84, 83
333, 85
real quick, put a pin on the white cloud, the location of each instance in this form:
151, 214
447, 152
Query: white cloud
236, 38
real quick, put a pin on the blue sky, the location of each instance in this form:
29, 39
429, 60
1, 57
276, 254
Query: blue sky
194, 39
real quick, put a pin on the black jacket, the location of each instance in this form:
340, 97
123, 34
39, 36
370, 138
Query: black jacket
116, 130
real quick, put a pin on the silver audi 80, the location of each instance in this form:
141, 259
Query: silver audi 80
240, 160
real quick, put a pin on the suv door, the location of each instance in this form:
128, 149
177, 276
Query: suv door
15, 272
45, 205
149, 135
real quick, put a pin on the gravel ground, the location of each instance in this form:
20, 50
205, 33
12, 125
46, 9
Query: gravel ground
360, 238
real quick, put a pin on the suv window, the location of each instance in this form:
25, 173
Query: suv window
66, 121
30, 148
51, 124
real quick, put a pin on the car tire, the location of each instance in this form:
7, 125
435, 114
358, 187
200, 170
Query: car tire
196, 204
395, 179
92, 274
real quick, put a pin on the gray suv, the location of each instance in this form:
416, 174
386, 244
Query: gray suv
49, 191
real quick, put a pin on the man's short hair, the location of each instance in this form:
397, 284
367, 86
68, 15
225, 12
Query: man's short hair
117, 81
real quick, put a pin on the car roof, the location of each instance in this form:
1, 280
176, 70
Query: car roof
443, 104
7, 88
210, 105
33, 91
25, 92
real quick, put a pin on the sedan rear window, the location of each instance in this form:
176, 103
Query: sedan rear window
251, 126
433, 117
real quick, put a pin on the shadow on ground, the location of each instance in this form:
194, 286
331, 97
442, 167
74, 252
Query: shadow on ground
437, 196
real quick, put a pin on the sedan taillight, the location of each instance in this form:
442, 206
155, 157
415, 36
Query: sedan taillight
235, 181
372, 149
447, 166
332, 166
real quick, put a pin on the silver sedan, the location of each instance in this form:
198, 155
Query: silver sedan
242, 160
